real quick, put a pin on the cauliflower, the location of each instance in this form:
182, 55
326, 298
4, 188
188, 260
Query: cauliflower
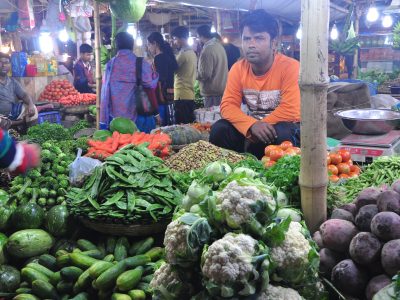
279, 293
184, 239
291, 256
229, 267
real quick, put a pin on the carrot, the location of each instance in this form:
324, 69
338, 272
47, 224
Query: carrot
115, 142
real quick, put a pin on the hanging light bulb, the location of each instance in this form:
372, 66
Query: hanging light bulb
139, 40
63, 35
225, 40
132, 30
190, 39
299, 33
5, 49
334, 32
387, 21
213, 29
46, 42
372, 14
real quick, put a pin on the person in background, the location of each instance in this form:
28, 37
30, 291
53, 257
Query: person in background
233, 54
185, 77
165, 64
16, 107
17, 158
268, 81
212, 70
119, 86
83, 73
63, 70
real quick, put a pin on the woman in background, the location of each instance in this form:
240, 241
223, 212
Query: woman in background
165, 64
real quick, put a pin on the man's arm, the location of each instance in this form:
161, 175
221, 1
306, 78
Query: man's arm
232, 100
205, 67
23, 95
80, 81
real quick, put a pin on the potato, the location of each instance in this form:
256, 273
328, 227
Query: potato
390, 257
337, 234
342, 214
364, 217
318, 239
365, 248
350, 207
367, 196
376, 284
328, 260
386, 225
389, 201
348, 278
396, 186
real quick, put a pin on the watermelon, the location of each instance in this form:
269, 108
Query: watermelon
101, 135
27, 216
123, 125
57, 220
29, 242
129, 11
3, 242
10, 279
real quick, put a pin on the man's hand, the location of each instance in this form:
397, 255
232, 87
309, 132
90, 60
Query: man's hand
31, 109
158, 120
263, 132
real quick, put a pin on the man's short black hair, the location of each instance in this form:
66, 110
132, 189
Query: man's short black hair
85, 48
260, 21
4, 55
124, 41
181, 32
204, 31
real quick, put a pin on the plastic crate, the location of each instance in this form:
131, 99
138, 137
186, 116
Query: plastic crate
49, 116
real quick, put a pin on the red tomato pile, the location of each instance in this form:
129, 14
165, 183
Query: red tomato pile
57, 89
80, 99
340, 166
275, 152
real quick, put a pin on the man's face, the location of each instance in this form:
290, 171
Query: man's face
5, 66
86, 57
257, 46
152, 48
178, 43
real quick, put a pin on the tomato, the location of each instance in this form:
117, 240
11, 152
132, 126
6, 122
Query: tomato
328, 159
333, 178
297, 149
345, 154
343, 168
353, 174
269, 164
285, 145
290, 152
343, 176
333, 170
355, 169
276, 154
350, 162
335, 158
269, 148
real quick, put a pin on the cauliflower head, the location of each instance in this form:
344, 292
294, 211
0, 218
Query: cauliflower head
175, 240
279, 293
234, 265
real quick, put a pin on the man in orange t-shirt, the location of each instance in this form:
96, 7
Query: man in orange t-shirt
268, 83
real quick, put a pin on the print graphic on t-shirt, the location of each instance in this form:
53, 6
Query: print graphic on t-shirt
262, 103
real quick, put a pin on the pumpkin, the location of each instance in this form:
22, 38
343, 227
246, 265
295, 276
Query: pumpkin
182, 134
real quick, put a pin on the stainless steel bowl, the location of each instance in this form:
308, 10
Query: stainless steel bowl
369, 121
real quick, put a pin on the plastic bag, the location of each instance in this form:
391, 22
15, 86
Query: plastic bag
82, 167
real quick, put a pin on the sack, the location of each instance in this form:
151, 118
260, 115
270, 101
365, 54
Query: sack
145, 98
81, 167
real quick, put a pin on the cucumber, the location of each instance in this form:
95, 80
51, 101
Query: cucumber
93, 253
81, 296
98, 268
133, 248
24, 284
23, 290
104, 295
83, 282
109, 257
101, 246
147, 278
118, 296
63, 260
30, 275
137, 295
64, 287
136, 261
25, 297
82, 261
129, 279
145, 246
41, 269
48, 261
144, 287
107, 279
61, 252
71, 273
110, 245
86, 245
76, 250
55, 278
155, 253
121, 249
44, 290
65, 297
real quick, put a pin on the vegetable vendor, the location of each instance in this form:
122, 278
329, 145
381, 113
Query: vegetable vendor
118, 93
83, 73
16, 107
268, 83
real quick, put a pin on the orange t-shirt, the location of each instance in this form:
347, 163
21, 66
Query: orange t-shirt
273, 97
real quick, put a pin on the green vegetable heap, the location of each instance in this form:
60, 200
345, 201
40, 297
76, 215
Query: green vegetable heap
131, 186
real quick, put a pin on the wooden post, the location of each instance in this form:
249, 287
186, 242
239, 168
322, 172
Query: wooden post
313, 86
97, 45
357, 12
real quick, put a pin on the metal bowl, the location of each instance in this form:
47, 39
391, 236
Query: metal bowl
369, 121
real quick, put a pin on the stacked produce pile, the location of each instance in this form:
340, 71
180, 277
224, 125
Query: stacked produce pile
233, 240
131, 186
360, 244
79, 99
181, 134
198, 155
275, 152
